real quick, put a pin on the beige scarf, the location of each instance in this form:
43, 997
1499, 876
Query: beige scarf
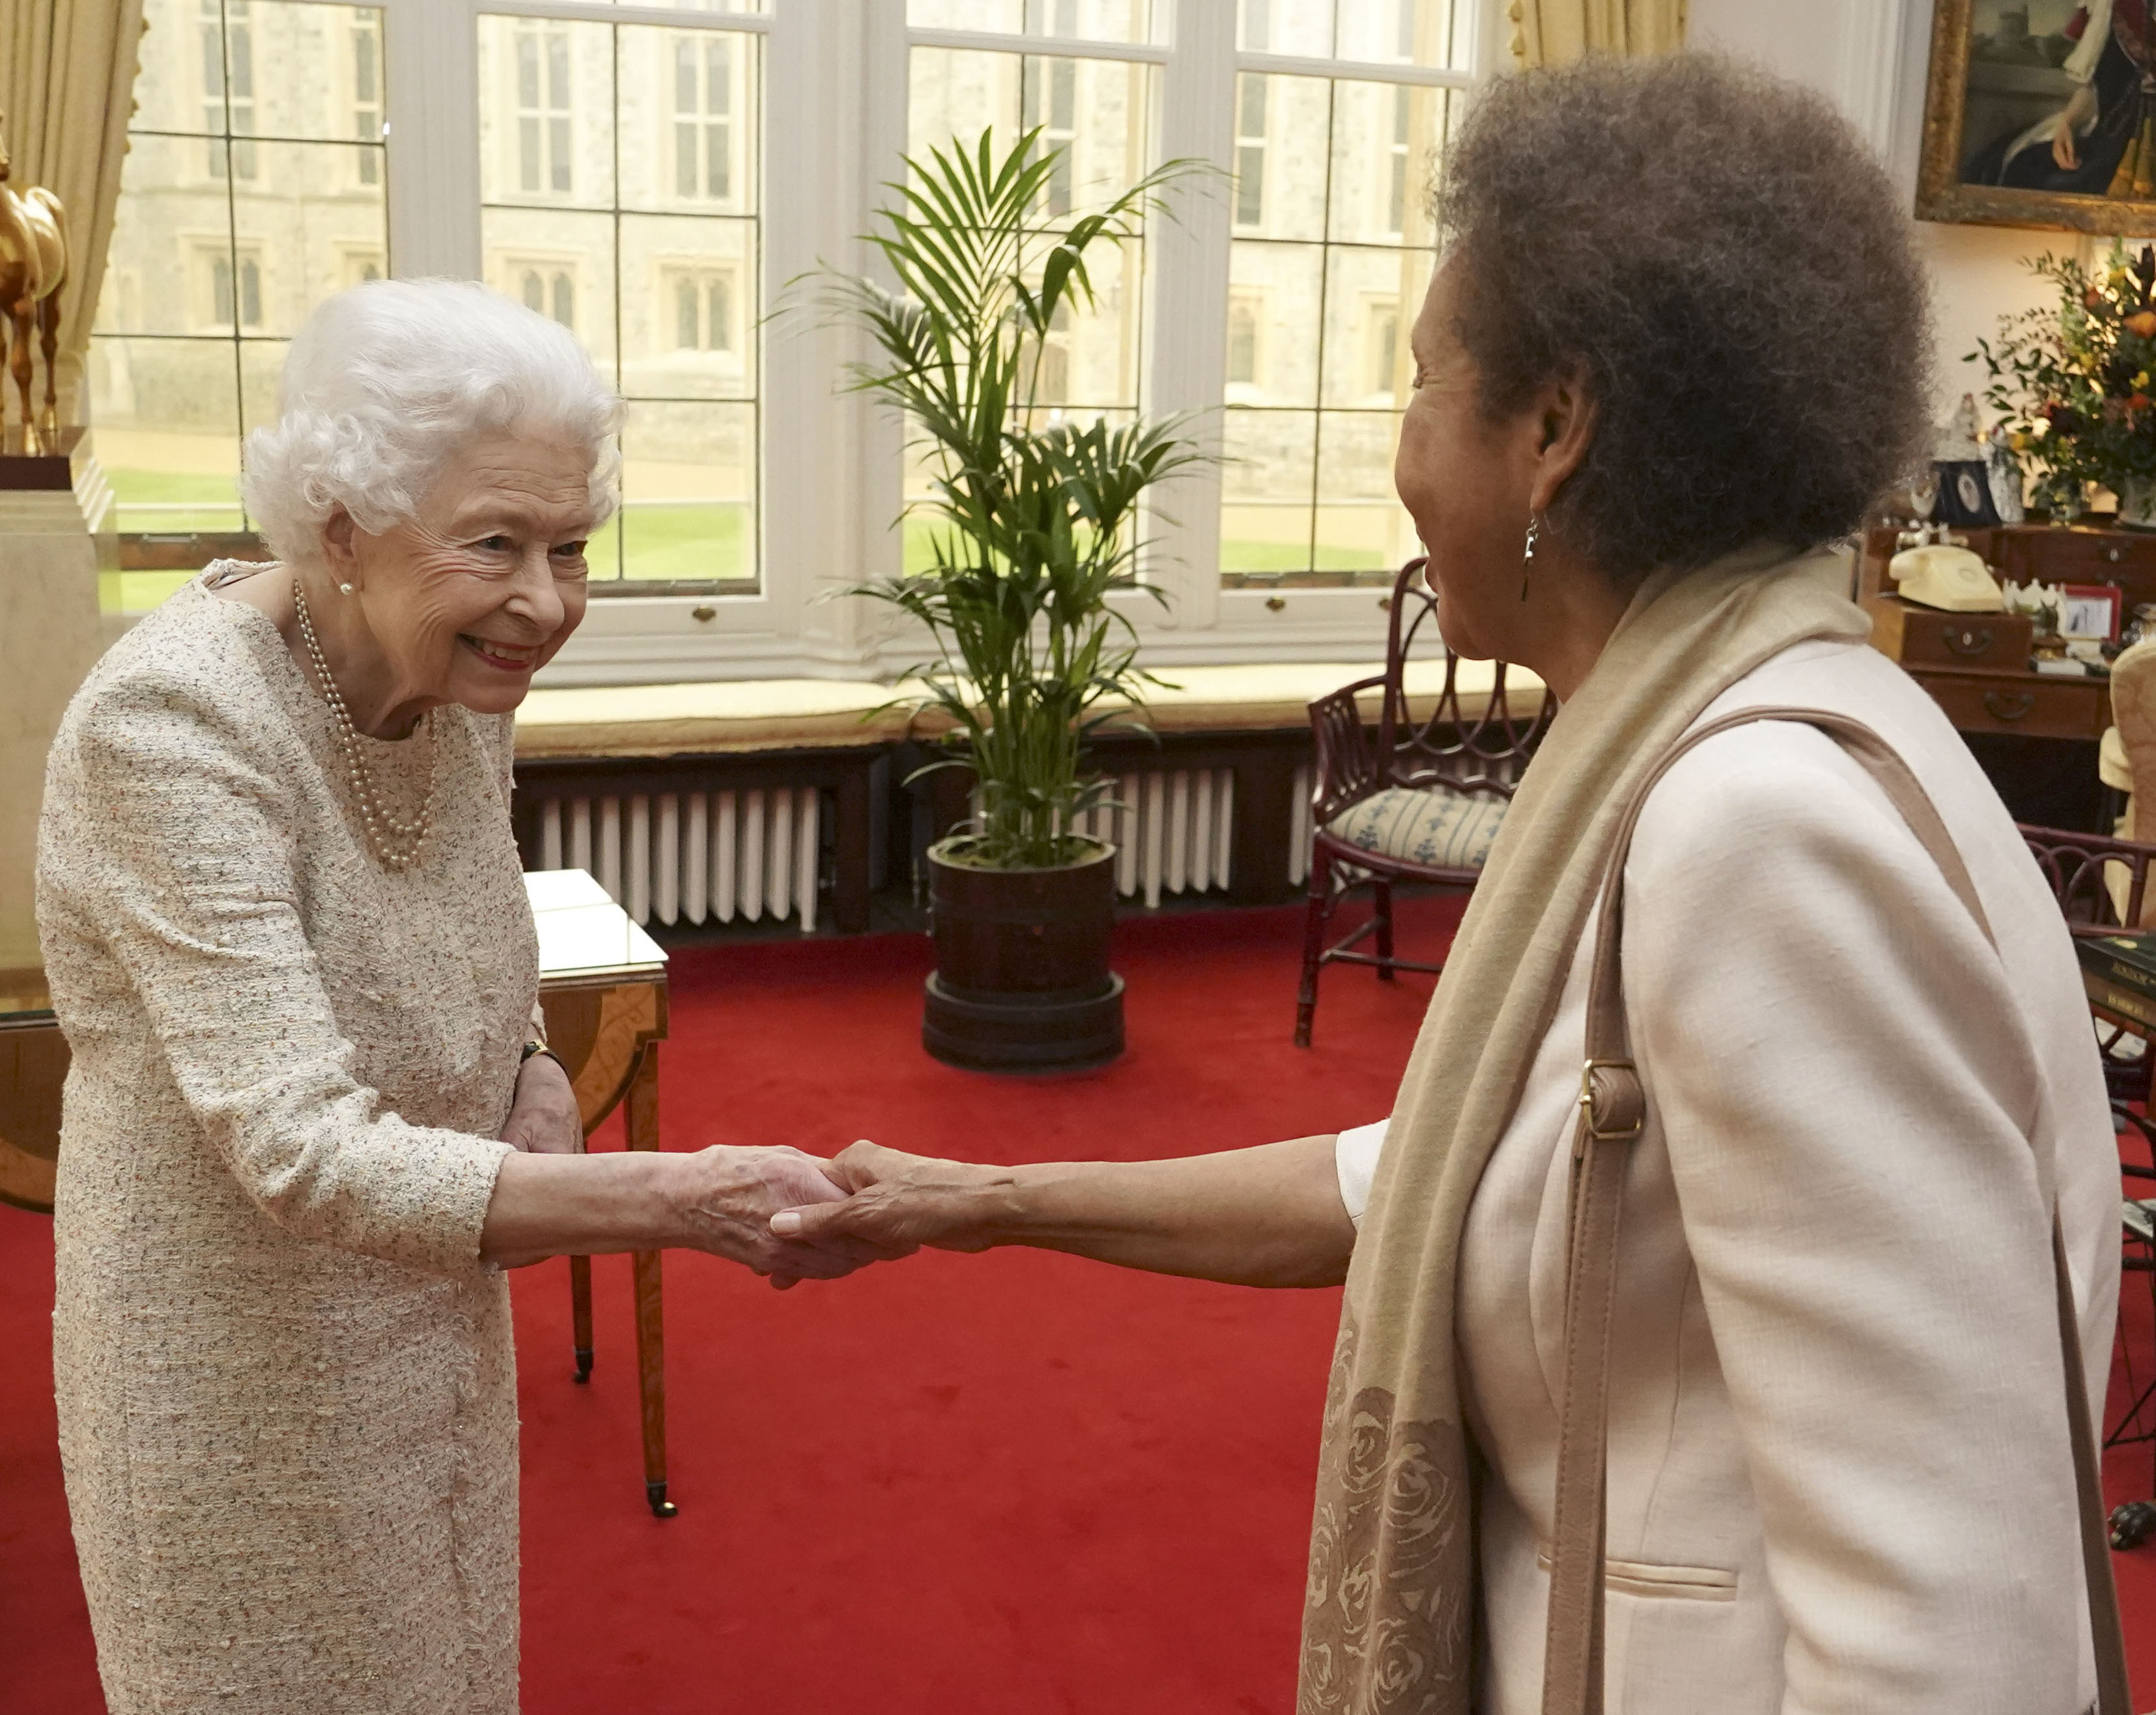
1389, 1622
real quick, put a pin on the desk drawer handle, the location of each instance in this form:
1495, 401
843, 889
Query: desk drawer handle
2001, 706
1970, 643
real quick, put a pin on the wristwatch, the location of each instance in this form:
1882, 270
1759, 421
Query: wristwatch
536, 1045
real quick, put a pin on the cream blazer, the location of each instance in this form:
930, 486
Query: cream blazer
1839, 1473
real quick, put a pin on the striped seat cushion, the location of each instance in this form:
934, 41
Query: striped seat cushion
1443, 829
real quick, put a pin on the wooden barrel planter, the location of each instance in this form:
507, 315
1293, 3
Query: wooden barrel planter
1021, 983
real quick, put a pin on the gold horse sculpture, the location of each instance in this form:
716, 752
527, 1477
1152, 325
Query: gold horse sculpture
33, 267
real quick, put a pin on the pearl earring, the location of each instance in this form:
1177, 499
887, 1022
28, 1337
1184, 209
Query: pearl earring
345, 588
1534, 533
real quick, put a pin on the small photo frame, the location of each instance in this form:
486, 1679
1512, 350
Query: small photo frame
2090, 612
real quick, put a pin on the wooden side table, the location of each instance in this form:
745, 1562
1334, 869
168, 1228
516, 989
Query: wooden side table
33, 1064
602, 988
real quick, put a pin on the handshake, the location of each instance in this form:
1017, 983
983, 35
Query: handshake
796, 1217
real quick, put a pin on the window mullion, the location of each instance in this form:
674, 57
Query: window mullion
814, 192
430, 51
1197, 92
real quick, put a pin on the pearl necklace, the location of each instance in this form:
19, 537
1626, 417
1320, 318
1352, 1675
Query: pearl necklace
396, 845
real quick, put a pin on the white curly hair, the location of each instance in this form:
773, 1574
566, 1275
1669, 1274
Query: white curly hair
387, 378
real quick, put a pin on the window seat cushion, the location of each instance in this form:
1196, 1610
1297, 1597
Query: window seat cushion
1441, 828
714, 716
748, 715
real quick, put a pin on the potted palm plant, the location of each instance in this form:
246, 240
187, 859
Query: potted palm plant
1031, 526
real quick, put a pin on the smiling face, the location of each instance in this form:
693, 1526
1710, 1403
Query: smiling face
469, 599
1466, 486
1473, 479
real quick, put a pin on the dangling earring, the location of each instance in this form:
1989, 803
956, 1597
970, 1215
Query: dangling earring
1534, 532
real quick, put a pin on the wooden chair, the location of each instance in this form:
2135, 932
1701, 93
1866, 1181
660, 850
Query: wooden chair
1422, 801
2101, 883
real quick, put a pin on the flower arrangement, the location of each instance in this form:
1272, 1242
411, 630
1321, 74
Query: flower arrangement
2074, 385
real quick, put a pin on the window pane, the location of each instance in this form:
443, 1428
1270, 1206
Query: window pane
1281, 126
1279, 284
303, 224
170, 232
654, 130
955, 92
546, 112
1371, 298
167, 418
1385, 143
1303, 26
540, 257
1410, 32
689, 113
689, 485
1099, 348
1362, 526
669, 263
718, 6
261, 368
171, 86
1266, 486
1349, 163
297, 69
1078, 20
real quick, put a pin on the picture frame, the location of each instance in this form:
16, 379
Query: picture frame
2004, 74
2090, 613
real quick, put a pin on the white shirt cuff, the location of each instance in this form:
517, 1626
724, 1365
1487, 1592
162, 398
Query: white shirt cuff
1355, 1157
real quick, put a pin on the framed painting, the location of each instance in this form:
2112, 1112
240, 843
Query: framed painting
2042, 113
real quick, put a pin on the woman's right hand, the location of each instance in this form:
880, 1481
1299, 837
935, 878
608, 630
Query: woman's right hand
725, 1199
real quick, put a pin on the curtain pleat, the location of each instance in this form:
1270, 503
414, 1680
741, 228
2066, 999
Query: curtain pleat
67, 82
1558, 31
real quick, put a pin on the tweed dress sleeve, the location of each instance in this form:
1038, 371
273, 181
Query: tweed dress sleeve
184, 857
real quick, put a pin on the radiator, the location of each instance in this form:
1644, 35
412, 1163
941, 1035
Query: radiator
698, 857
1173, 829
694, 857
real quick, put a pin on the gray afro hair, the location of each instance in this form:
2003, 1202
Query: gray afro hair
1721, 256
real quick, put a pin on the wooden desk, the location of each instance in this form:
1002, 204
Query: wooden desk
2013, 701
602, 987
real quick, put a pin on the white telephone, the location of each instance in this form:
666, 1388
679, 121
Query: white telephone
1951, 578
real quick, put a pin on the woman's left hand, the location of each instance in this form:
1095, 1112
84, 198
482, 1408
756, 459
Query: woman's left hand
543, 1118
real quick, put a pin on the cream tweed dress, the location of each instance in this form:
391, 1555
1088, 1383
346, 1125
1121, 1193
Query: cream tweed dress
286, 1387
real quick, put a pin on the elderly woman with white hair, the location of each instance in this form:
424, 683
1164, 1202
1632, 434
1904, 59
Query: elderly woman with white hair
309, 1120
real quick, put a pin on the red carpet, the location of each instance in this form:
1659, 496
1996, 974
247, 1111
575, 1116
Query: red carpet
1011, 1483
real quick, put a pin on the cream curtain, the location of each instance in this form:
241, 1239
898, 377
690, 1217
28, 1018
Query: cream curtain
1558, 31
67, 81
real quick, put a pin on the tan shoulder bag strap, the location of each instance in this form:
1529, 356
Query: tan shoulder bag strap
1612, 1110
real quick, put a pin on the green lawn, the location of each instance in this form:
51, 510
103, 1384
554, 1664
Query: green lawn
713, 541
153, 502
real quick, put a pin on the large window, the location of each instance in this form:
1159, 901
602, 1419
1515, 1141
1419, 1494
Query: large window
659, 175
245, 199
619, 195
1332, 236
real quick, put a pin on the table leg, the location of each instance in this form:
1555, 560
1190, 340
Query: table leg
642, 1127
580, 1313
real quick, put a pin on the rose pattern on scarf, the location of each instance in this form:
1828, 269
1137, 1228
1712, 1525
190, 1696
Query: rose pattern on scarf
1388, 1610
